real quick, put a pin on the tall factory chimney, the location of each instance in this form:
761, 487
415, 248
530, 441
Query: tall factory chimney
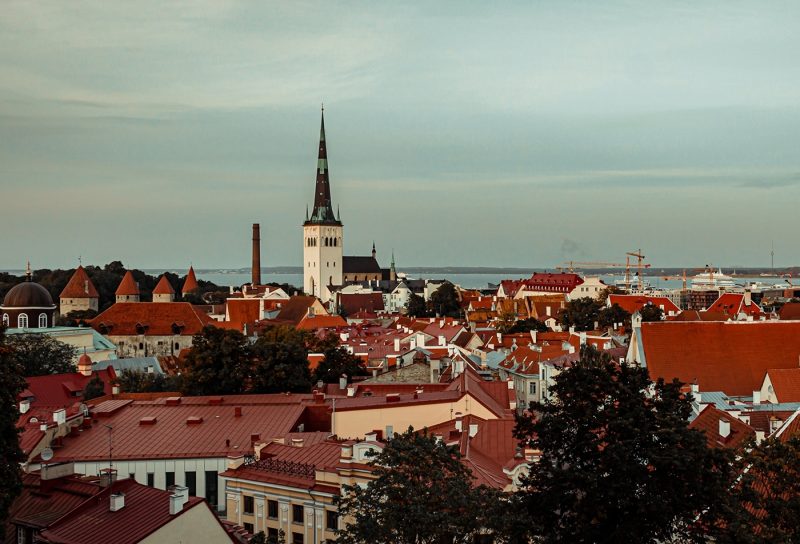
256, 280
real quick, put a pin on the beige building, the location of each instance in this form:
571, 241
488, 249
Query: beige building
79, 294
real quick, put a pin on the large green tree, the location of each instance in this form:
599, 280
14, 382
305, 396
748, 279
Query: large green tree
280, 361
651, 312
421, 494
137, 381
618, 461
416, 306
445, 301
41, 354
613, 315
764, 502
581, 313
338, 361
219, 363
11, 383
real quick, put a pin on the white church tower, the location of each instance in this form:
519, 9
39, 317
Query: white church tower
322, 234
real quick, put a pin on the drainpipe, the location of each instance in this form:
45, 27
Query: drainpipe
313, 513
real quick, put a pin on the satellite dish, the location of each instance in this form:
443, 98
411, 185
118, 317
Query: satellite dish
47, 454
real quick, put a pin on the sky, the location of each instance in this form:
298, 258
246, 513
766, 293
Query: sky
459, 133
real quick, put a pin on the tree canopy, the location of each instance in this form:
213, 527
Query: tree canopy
613, 315
421, 493
445, 301
416, 306
581, 313
338, 361
41, 354
11, 383
618, 461
651, 312
218, 363
280, 361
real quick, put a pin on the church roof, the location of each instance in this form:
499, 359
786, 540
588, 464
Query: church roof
360, 265
127, 286
28, 294
80, 286
164, 287
323, 206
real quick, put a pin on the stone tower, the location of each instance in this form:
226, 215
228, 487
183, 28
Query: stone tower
322, 233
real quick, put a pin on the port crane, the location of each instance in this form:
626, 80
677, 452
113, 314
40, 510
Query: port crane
571, 266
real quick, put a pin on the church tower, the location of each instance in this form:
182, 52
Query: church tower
322, 233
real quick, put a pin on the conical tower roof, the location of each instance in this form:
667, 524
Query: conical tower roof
128, 286
163, 287
323, 206
80, 286
190, 284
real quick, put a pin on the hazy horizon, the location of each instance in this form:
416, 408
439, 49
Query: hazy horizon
459, 134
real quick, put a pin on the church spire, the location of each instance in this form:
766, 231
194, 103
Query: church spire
323, 207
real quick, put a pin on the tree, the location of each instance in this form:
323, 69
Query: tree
445, 301
280, 361
505, 322
614, 315
618, 461
764, 504
11, 384
41, 354
581, 313
94, 388
136, 381
219, 363
416, 306
261, 538
527, 325
651, 312
421, 493
339, 361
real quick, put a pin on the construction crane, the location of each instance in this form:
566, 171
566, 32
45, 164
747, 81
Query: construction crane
639, 265
571, 266
683, 278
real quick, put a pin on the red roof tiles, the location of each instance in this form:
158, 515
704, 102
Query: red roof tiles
163, 287
155, 318
190, 284
79, 286
785, 383
721, 356
709, 420
733, 304
634, 303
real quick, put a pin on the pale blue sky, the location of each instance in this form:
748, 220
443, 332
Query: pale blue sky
459, 133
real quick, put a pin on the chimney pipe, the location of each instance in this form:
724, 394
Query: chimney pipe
256, 279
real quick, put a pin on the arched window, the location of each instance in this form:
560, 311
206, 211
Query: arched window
42, 321
22, 321
5, 320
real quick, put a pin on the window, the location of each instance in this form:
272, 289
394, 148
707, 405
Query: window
177, 346
533, 388
248, 527
22, 321
272, 509
297, 513
297, 538
211, 487
5, 320
249, 505
170, 479
42, 321
151, 479
331, 520
191, 482
141, 345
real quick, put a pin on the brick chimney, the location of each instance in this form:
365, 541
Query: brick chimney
256, 274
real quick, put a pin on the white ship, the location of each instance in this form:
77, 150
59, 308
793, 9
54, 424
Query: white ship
712, 280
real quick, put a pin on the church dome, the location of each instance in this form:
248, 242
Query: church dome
28, 295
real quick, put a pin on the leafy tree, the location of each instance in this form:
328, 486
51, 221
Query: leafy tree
261, 538
135, 381
445, 301
421, 493
280, 361
41, 354
94, 388
581, 313
651, 312
604, 294
76, 318
339, 361
505, 322
527, 325
11, 383
416, 306
608, 317
618, 461
765, 502
219, 363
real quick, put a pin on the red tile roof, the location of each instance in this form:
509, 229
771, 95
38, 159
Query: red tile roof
356, 302
634, 303
732, 304
190, 284
785, 383
128, 285
163, 287
243, 311
296, 308
790, 310
721, 356
557, 283
708, 421
63, 390
313, 322
80, 286
218, 431
159, 318
146, 510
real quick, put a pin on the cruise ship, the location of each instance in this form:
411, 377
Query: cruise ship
712, 280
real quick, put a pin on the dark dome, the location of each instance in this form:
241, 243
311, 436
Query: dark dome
28, 295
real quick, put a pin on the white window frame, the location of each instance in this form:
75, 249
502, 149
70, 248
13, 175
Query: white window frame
42, 321
22, 318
